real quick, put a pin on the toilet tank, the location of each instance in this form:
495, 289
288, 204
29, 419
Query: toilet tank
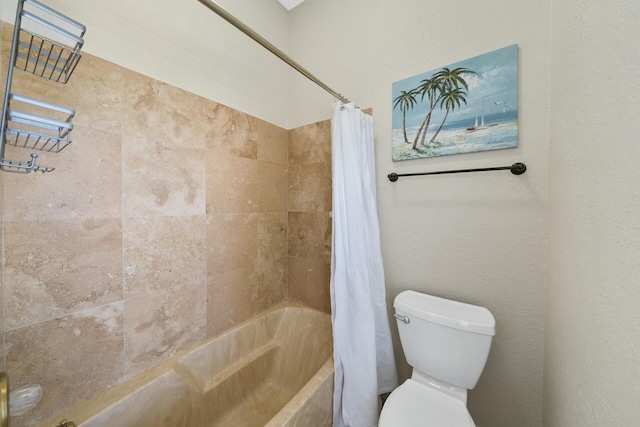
444, 339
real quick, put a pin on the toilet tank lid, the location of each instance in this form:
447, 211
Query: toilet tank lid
446, 312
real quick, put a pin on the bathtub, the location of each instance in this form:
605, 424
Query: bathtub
274, 370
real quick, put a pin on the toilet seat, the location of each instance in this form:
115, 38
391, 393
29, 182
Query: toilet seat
417, 405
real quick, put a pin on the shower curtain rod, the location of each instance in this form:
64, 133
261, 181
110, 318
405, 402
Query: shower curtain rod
270, 47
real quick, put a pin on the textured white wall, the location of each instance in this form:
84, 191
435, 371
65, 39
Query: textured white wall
479, 238
185, 44
592, 349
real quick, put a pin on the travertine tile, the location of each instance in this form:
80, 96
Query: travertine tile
171, 117
273, 143
231, 242
73, 358
310, 235
96, 91
272, 187
272, 258
324, 138
232, 184
310, 144
272, 235
272, 279
161, 322
163, 252
309, 225
60, 267
310, 188
232, 298
231, 132
162, 181
309, 283
85, 184
162, 159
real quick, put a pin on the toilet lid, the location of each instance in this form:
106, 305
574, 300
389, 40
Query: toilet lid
416, 405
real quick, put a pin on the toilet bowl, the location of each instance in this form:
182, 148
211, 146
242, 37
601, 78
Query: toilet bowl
413, 404
447, 344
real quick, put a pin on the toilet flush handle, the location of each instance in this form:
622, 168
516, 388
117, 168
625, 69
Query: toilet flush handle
403, 319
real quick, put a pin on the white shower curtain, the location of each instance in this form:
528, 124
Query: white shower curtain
363, 354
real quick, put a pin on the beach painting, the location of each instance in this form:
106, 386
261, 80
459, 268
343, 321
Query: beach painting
465, 107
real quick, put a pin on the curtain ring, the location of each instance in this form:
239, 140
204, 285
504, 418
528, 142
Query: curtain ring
342, 108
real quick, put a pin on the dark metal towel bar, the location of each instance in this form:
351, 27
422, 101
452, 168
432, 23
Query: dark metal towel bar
516, 169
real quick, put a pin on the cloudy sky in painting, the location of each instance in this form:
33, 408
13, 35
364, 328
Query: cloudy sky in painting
493, 89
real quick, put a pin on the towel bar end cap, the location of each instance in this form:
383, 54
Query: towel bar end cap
518, 168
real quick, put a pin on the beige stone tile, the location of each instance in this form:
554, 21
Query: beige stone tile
73, 358
232, 184
310, 144
273, 143
169, 116
231, 242
163, 252
232, 298
182, 156
61, 267
309, 283
161, 322
231, 132
310, 235
272, 187
309, 188
160, 181
324, 138
272, 235
272, 277
96, 91
85, 184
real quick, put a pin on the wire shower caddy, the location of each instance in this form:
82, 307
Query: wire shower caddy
47, 44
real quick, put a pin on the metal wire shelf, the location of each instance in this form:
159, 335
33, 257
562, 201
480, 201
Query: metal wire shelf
47, 44
54, 56
36, 132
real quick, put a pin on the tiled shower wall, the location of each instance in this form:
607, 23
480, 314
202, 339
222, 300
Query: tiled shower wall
309, 220
165, 223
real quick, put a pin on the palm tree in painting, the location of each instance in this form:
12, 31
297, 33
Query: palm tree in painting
430, 88
436, 88
450, 100
453, 78
405, 101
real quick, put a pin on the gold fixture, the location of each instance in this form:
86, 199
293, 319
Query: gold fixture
4, 400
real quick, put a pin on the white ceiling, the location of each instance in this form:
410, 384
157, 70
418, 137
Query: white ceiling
290, 4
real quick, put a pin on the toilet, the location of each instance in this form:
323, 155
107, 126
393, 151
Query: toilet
447, 344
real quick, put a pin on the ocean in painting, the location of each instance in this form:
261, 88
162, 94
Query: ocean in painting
500, 131
475, 108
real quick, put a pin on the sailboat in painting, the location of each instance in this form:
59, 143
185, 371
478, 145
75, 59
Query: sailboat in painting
475, 127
